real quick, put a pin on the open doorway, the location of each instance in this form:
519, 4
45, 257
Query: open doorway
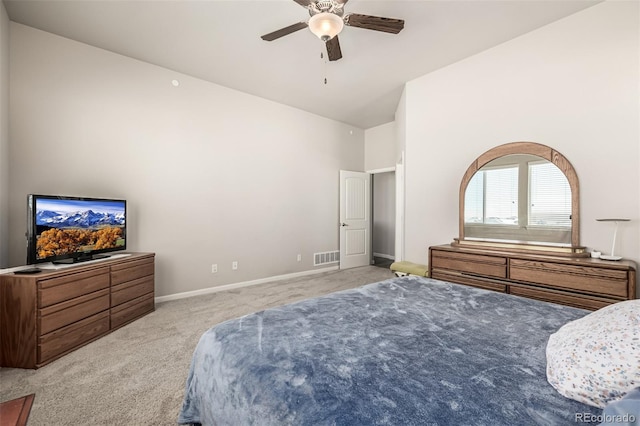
383, 215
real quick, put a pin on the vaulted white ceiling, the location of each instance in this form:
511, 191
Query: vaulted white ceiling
219, 41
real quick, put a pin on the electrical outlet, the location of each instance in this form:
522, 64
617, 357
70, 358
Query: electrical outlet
214, 268
234, 265
299, 257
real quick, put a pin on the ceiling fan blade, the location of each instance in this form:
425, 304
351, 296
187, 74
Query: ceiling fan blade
304, 3
284, 31
388, 25
342, 2
333, 49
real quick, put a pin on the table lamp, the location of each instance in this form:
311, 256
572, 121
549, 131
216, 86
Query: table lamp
613, 256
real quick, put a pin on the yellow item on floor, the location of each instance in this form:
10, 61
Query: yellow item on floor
409, 268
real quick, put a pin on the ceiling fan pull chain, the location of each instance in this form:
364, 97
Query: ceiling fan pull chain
324, 67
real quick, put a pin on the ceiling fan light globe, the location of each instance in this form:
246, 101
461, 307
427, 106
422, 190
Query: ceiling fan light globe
326, 25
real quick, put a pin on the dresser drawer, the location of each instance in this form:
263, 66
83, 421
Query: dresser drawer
458, 278
126, 312
609, 282
547, 295
70, 337
130, 290
70, 311
58, 290
130, 271
492, 266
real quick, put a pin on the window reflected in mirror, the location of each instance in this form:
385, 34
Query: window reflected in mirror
519, 197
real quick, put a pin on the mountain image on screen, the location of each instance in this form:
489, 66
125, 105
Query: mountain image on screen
85, 219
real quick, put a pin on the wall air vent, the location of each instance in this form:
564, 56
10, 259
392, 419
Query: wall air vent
326, 257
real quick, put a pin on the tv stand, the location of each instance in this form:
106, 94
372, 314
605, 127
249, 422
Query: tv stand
81, 258
47, 315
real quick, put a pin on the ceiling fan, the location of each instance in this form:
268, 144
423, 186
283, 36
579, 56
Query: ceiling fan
328, 19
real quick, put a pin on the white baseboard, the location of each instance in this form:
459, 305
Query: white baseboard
384, 256
226, 287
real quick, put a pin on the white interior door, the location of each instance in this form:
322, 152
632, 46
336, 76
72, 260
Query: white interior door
355, 219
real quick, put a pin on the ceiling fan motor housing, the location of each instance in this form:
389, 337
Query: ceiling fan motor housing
329, 6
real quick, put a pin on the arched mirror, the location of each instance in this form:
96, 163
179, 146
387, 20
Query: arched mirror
521, 195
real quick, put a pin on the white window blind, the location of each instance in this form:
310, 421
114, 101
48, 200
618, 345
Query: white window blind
550, 196
492, 197
501, 189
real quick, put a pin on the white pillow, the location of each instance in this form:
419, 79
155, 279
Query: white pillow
596, 359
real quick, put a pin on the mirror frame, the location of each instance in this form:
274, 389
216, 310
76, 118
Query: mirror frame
531, 148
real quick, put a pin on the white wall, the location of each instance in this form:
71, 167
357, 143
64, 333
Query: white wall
401, 126
211, 175
380, 147
4, 136
572, 85
401, 140
384, 214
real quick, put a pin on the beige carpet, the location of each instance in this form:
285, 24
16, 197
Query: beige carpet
136, 375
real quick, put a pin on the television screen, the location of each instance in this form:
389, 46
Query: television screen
74, 228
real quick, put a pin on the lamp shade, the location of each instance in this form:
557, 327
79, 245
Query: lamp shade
326, 25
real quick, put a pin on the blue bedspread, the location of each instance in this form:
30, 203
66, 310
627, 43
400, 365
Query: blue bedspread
406, 351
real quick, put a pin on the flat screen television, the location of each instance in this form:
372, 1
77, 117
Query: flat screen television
63, 229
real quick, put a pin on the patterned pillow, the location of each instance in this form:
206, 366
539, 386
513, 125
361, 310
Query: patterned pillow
596, 359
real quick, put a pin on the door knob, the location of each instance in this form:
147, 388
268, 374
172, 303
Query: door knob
343, 224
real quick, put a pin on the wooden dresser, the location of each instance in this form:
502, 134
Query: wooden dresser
581, 282
46, 315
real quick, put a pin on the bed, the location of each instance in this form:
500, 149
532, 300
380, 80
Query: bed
410, 351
